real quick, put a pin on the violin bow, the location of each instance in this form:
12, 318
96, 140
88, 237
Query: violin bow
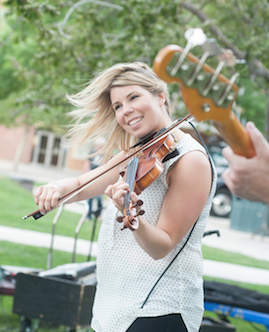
65, 198
208, 95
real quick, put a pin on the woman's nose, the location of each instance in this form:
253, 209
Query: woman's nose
128, 109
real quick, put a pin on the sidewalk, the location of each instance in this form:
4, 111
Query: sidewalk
34, 172
211, 268
255, 246
238, 242
244, 243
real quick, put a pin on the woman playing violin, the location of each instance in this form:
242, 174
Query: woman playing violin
125, 103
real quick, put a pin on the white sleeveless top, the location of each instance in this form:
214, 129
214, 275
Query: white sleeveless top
126, 274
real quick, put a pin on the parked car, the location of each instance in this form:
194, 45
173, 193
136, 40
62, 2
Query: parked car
222, 201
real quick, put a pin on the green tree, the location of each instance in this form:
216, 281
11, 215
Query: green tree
68, 41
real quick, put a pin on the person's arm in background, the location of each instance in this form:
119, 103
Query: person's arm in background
249, 178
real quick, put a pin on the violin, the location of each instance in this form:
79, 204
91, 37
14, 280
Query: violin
145, 175
140, 172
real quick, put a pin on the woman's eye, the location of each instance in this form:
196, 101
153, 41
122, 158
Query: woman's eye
116, 107
134, 97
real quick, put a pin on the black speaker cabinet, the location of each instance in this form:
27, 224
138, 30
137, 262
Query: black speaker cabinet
54, 300
216, 325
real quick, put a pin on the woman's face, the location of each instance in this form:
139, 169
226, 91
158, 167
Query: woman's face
138, 111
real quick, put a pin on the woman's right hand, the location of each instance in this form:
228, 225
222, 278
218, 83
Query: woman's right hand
47, 197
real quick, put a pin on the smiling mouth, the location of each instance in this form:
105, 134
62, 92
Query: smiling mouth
134, 121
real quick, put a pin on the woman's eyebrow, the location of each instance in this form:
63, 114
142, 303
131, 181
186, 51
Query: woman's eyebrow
129, 94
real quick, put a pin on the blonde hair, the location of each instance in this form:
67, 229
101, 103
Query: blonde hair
95, 118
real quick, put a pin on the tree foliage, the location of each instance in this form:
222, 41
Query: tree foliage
51, 48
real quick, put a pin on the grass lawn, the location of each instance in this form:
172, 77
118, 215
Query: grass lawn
15, 202
219, 255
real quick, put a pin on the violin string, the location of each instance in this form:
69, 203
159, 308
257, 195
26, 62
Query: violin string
130, 179
76, 191
173, 126
188, 118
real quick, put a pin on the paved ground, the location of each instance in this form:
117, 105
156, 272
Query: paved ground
239, 242
229, 240
35, 172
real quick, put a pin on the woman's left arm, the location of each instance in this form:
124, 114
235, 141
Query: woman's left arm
189, 183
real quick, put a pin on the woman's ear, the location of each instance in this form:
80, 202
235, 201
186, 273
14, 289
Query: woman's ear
161, 97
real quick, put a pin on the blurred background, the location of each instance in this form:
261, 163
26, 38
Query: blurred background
49, 49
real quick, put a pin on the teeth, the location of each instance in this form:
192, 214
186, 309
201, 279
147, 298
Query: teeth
132, 122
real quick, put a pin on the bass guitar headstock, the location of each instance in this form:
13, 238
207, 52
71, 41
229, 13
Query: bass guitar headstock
207, 94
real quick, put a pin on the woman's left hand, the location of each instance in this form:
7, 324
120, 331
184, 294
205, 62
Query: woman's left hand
117, 192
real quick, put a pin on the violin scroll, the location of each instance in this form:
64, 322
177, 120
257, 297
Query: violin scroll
130, 216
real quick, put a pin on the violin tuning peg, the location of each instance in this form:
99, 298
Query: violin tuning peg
138, 203
140, 213
120, 219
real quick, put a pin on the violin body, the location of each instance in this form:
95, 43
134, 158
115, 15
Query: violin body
150, 165
149, 168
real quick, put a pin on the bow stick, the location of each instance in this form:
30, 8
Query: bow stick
37, 214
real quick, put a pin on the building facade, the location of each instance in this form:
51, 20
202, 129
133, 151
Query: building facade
41, 147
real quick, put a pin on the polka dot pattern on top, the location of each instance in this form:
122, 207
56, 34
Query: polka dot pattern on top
126, 274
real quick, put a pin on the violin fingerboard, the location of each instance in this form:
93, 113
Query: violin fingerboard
130, 179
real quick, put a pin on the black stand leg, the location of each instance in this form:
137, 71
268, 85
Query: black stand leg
96, 214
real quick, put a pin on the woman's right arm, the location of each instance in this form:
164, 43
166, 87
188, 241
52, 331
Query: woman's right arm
47, 196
